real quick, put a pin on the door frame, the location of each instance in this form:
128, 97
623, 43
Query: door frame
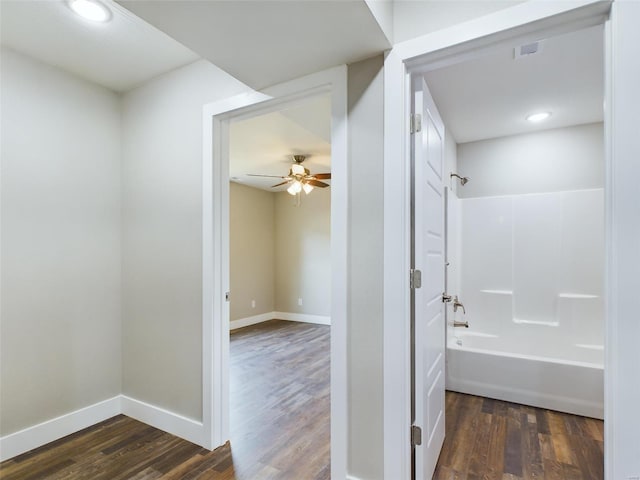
520, 24
216, 120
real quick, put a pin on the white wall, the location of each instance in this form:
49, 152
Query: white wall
413, 18
61, 228
303, 253
570, 158
252, 241
162, 235
366, 227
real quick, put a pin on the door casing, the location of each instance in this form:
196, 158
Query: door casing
215, 271
520, 24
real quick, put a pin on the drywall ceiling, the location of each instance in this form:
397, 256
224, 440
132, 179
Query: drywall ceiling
265, 42
119, 55
491, 96
264, 144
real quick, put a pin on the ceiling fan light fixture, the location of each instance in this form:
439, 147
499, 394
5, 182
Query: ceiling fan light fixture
307, 188
297, 169
295, 188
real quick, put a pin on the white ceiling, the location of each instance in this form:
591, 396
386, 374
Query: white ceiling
264, 42
264, 144
119, 55
491, 96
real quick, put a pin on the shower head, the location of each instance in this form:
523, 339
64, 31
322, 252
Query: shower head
463, 180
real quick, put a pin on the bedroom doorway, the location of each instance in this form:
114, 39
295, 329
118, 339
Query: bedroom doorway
218, 123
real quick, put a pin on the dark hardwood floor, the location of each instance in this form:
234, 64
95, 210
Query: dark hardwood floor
489, 439
280, 424
280, 429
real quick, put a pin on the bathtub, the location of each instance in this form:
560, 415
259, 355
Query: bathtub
570, 379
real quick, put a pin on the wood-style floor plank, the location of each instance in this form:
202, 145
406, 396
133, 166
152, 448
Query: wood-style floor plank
523, 443
280, 429
280, 424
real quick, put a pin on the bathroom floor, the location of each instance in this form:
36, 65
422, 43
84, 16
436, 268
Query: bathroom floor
491, 439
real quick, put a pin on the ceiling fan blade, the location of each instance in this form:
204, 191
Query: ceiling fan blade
317, 183
283, 183
322, 176
270, 176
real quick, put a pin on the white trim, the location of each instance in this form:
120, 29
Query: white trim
38, 435
622, 383
611, 331
524, 21
163, 419
253, 320
215, 278
396, 358
303, 317
289, 316
33, 437
351, 477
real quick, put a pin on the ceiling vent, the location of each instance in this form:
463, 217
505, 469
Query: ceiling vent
527, 50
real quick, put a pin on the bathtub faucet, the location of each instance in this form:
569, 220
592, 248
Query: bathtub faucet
461, 324
457, 304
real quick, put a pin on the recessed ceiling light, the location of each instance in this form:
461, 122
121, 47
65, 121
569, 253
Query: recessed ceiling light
90, 10
538, 117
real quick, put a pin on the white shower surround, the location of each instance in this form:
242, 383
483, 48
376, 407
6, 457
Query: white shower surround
529, 270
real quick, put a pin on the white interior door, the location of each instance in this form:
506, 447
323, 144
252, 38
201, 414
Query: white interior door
428, 257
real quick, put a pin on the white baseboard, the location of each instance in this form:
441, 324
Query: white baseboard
245, 322
292, 317
36, 436
303, 317
33, 437
170, 422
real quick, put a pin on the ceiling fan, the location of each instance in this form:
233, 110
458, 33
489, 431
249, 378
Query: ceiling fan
299, 177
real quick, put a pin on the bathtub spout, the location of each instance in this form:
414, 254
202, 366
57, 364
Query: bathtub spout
461, 324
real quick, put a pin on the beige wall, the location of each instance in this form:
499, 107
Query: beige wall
365, 369
303, 253
252, 239
162, 235
60, 182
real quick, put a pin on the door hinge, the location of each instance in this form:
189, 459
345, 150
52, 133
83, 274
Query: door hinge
415, 278
415, 123
416, 435
227, 295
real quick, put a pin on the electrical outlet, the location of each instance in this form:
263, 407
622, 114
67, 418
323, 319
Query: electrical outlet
299, 301
253, 304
